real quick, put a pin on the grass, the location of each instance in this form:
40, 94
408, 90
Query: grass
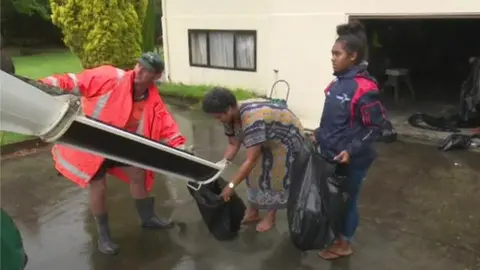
197, 91
10, 137
42, 65
45, 64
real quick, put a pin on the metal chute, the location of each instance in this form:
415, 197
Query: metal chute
28, 109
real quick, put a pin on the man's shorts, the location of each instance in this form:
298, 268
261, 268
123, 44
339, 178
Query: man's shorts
107, 164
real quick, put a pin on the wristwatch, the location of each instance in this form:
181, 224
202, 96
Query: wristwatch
231, 185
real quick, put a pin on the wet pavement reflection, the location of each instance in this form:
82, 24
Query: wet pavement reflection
419, 210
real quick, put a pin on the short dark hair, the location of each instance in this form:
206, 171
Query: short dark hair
354, 39
218, 100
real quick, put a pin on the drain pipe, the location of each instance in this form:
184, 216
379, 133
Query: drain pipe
166, 44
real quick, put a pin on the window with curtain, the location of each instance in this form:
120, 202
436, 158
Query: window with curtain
198, 48
223, 49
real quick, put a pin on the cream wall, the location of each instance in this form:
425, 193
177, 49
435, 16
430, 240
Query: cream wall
292, 37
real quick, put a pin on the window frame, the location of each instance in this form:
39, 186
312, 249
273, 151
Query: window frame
235, 33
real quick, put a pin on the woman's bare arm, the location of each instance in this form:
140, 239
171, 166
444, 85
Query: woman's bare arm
251, 159
232, 148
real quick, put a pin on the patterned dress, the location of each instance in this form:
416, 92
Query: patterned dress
280, 133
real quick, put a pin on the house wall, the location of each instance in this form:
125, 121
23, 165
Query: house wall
292, 37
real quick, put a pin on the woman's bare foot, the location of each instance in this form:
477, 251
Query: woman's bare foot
327, 255
267, 222
339, 248
251, 215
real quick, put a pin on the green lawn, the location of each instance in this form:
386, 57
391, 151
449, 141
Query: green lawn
197, 91
42, 65
45, 64
10, 137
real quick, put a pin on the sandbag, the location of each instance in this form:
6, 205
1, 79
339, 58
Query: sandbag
223, 219
316, 200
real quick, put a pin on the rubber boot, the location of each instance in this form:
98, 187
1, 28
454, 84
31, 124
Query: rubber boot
105, 243
149, 219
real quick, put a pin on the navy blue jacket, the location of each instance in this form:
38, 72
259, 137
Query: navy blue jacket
352, 117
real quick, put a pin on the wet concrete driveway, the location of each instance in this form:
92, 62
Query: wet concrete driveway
419, 211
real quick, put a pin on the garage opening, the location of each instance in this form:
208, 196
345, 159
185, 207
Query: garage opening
421, 63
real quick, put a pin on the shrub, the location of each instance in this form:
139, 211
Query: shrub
149, 27
101, 32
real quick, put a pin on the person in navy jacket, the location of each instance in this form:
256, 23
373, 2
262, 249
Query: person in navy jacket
351, 122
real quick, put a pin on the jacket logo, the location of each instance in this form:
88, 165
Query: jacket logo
343, 98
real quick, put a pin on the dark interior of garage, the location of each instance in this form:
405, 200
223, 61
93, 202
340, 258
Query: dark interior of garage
425, 60
436, 53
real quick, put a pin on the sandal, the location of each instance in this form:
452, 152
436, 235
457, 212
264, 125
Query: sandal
340, 251
327, 255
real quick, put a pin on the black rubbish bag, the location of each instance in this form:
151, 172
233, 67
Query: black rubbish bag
468, 115
316, 200
223, 219
389, 135
458, 142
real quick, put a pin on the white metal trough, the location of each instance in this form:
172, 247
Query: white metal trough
26, 109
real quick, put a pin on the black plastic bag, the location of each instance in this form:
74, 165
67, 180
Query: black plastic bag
428, 122
468, 114
389, 135
470, 95
316, 200
223, 219
336, 198
457, 142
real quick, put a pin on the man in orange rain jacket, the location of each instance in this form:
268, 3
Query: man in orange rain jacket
128, 100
